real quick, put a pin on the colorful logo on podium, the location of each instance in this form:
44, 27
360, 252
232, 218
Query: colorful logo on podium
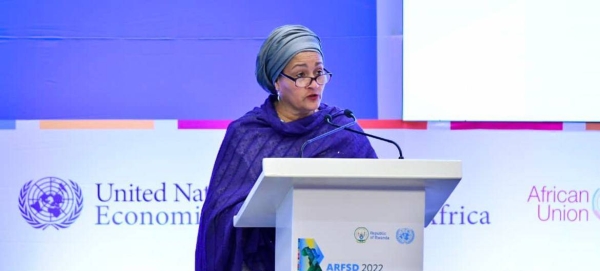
361, 234
50, 202
405, 236
309, 255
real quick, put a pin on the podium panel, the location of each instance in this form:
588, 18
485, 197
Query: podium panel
348, 214
342, 229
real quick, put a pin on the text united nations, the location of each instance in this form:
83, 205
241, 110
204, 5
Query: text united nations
162, 205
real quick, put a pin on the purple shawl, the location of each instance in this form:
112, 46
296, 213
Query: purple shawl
259, 134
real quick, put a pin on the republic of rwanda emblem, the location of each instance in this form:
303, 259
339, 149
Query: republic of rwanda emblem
361, 234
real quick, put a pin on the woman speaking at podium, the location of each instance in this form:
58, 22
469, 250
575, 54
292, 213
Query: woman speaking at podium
290, 67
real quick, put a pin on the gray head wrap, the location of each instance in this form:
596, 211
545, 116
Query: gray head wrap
279, 48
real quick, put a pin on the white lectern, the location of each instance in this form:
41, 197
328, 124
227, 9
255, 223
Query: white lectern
348, 214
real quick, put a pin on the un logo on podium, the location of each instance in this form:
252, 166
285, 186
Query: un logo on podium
405, 236
50, 202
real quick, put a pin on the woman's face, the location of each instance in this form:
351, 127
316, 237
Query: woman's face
301, 101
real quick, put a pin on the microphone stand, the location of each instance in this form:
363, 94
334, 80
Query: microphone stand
348, 113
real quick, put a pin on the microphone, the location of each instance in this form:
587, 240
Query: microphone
339, 128
349, 114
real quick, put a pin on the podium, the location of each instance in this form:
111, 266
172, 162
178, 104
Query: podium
348, 214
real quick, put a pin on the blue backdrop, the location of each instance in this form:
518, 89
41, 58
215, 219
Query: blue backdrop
169, 60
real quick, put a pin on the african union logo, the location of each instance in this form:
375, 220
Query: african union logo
405, 235
596, 203
361, 234
50, 202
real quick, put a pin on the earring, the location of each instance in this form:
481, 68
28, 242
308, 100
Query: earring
278, 96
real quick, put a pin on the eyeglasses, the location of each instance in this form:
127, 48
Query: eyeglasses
303, 82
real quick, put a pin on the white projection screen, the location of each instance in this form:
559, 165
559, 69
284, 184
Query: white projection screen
506, 60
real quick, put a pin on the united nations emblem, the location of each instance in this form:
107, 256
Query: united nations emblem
405, 235
361, 234
50, 202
